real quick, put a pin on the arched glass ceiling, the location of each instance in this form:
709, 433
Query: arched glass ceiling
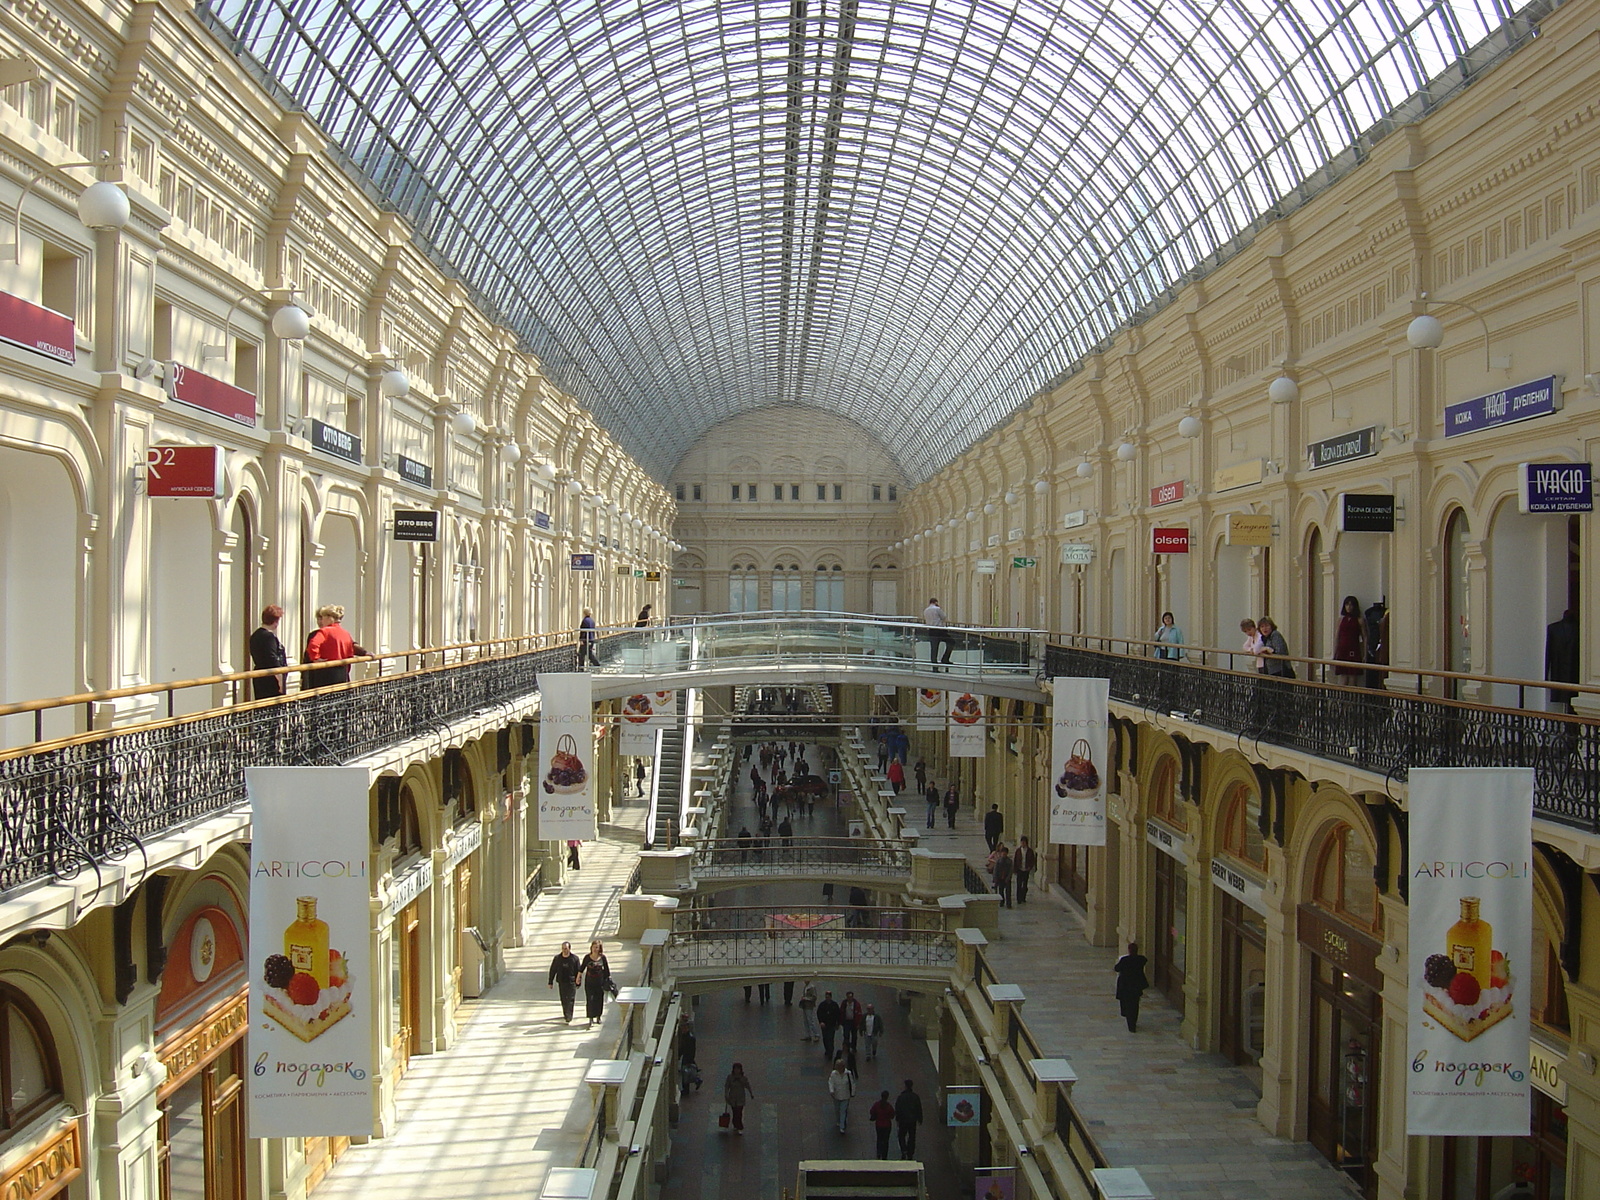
915, 213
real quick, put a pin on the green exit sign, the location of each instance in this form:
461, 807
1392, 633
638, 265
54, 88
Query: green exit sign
1019, 561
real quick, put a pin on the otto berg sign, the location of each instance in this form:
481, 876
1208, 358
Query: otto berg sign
332, 440
1564, 487
1537, 399
1358, 443
412, 471
416, 525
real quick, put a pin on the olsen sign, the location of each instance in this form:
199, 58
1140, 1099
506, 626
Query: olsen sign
1167, 493
1169, 540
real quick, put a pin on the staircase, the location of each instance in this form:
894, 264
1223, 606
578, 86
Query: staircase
667, 803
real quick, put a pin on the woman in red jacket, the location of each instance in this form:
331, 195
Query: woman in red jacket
329, 643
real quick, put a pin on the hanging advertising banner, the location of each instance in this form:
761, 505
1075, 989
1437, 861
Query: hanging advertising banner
1079, 714
311, 968
1471, 934
565, 786
966, 725
642, 716
930, 709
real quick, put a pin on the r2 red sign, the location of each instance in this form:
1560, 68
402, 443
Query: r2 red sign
182, 471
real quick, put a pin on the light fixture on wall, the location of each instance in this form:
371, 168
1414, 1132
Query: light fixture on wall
574, 488
1084, 469
1285, 390
463, 423
1010, 497
101, 205
972, 515
1127, 452
1191, 427
988, 508
511, 454
1041, 487
394, 384
291, 323
1426, 332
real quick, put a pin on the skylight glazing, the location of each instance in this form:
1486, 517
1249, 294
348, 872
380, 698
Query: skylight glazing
914, 213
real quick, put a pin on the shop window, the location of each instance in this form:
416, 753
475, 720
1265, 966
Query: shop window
29, 1073
1241, 827
59, 284
1344, 882
1164, 795
466, 798
1547, 992
410, 839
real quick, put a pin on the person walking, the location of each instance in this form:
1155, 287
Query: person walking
640, 774
850, 1019
1131, 984
330, 642
841, 1086
933, 617
897, 776
644, 618
596, 982
587, 635
1023, 864
931, 795
573, 861
266, 653
921, 773
808, 1012
1002, 876
688, 1069
871, 1031
882, 1114
736, 1090
907, 1116
1168, 637
952, 805
859, 902
565, 968
994, 824
828, 1020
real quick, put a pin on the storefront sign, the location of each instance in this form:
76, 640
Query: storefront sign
1555, 487
930, 709
643, 716
1079, 715
652, 576
183, 471
1169, 540
565, 786
1239, 475
42, 330
1249, 529
416, 525
1471, 943
1073, 520
583, 562
1076, 554
409, 886
1545, 1064
1330, 452
1167, 841
410, 470
465, 839
1360, 513
1167, 493
1328, 937
1019, 560
203, 391
332, 440
994, 539
541, 519
1238, 885
312, 971
184, 1057
1015, 535
967, 725
963, 1106
1539, 398
49, 1169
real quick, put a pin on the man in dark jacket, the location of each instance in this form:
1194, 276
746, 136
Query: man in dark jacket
828, 1020
1002, 876
1561, 658
1023, 864
267, 652
907, 1116
564, 969
994, 824
1131, 983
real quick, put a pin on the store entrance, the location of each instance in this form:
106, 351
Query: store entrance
1508, 1168
1242, 1036
1169, 949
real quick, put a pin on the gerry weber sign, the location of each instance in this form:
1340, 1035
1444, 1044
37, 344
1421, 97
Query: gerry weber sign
1537, 399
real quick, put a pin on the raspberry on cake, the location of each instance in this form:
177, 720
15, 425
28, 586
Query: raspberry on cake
1455, 1000
299, 1005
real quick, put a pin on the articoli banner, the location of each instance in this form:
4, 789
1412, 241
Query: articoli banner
1471, 934
1078, 718
930, 708
642, 716
311, 970
966, 725
565, 787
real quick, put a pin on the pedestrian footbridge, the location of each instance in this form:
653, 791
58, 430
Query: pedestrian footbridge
712, 865
797, 649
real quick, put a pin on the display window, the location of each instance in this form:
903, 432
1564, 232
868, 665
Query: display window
1170, 948
1504, 1168
1243, 960
1241, 825
1072, 871
29, 1072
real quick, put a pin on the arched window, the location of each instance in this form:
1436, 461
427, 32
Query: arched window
1456, 633
1344, 881
830, 588
786, 587
1164, 795
30, 1077
1241, 825
410, 841
467, 799
743, 588
1313, 580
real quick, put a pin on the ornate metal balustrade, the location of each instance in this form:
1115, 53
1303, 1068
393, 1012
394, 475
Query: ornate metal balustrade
69, 806
736, 918
789, 952
1382, 731
728, 858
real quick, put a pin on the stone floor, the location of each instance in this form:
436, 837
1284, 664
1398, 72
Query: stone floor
491, 1115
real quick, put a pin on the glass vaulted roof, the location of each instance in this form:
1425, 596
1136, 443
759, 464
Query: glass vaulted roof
914, 213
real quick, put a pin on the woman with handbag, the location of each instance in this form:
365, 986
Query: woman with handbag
735, 1090
596, 982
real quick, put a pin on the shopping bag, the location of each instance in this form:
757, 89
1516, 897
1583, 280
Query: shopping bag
725, 1119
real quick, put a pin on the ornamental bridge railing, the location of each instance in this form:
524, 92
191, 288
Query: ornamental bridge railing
1375, 729
824, 858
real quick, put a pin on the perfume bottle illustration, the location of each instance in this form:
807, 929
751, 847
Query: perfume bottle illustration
1469, 942
305, 942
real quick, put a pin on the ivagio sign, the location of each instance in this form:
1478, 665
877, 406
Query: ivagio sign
1539, 398
1565, 487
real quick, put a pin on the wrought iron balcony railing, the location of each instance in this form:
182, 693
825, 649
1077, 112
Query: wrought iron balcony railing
1378, 730
726, 858
789, 952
